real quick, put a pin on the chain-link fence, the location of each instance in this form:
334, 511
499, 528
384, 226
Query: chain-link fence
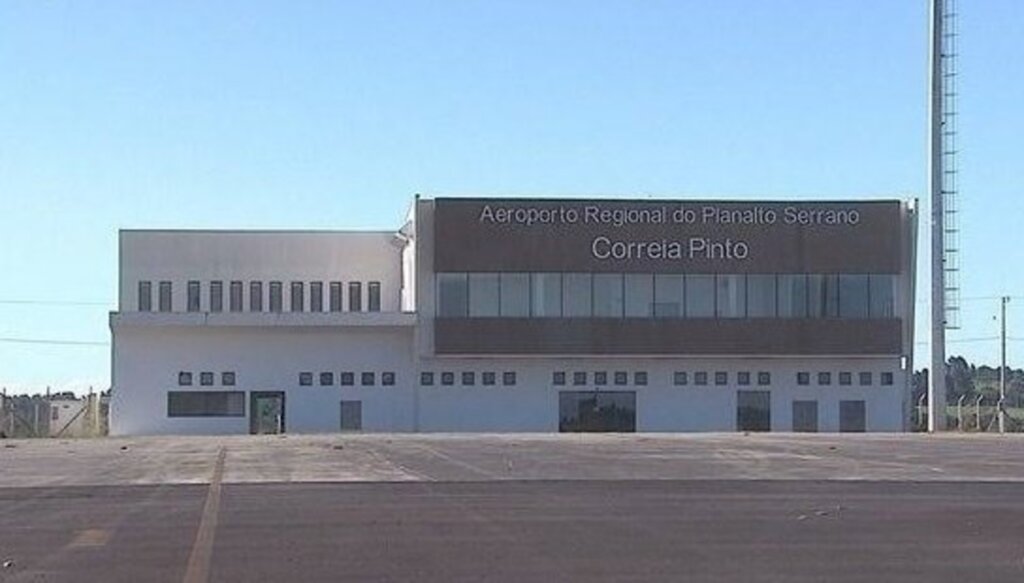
26, 416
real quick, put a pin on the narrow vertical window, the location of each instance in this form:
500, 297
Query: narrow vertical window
483, 295
639, 296
216, 296
882, 295
193, 296
577, 295
823, 296
546, 295
452, 295
762, 296
298, 299
853, 296
275, 296
373, 296
255, 296
731, 296
165, 296
316, 296
335, 300
608, 295
235, 296
700, 296
792, 296
145, 296
355, 296
668, 295
514, 296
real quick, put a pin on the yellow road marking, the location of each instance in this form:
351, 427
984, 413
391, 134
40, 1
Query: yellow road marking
198, 570
93, 537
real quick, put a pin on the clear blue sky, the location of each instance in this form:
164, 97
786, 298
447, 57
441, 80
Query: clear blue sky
333, 114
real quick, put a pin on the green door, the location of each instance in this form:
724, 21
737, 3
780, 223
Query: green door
267, 412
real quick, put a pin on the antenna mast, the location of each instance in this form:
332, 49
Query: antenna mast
943, 179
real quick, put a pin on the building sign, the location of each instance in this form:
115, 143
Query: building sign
667, 236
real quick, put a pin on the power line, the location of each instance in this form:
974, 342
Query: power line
52, 302
969, 340
53, 342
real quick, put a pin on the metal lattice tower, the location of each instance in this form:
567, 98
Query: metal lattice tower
943, 183
950, 176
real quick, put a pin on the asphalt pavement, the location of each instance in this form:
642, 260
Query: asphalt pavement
513, 508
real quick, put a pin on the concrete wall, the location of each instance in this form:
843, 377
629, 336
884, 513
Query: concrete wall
285, 256
147, 360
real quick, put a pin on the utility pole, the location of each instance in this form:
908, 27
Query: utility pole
1001, 409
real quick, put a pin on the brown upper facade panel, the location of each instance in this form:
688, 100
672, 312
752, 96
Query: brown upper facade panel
694, 236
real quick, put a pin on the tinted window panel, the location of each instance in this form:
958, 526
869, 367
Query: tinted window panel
515, 295
700, 296
452, 295
483, 294
639, 295
546, 297
668, 295
853, 296
761, 296
577, 295
608, 300
731, 297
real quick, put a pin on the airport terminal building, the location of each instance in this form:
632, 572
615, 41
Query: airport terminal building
525, 315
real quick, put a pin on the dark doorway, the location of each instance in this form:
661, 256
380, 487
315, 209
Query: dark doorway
753, 411
852, 417
266, 412
351, 415
597, 411
805, 416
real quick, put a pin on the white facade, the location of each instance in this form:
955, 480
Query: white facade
312, 357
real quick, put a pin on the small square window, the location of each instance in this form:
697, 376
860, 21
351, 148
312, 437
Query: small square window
347, 378
845, 378
387, 379
558, 378
326, 379
680, 378
448, 378
700, 377
227, 379
640, 377
305, 379
764, 378
621, 377
469, 378
803, 378
579, 378
721, 378
508, 378
864, 378
185, 379
824, 378
886, 378
601, 378
489, 378
206, 379
743, 378
427, 379
368, 379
